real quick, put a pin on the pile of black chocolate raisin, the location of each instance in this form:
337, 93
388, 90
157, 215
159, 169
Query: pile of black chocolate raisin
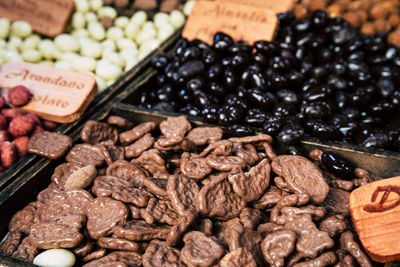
320, 77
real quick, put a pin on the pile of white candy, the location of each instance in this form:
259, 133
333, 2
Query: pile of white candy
88, 46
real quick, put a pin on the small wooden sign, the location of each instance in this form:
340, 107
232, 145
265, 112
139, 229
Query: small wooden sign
278, 6
242, 22
375, 210
58, 95
48, 17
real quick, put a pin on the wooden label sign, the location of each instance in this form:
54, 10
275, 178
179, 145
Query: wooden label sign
278, 6
375, 209
48, 17
242, 22
58, 95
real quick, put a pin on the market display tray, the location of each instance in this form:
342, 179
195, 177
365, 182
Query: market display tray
26, 187
380, 162
99, 101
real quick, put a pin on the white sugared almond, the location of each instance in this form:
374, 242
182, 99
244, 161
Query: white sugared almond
55, 258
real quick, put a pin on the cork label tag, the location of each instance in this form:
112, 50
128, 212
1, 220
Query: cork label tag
278, 6
375, 210
242, 22
58, 95
48, 17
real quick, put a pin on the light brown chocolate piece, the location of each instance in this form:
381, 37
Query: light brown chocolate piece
251, 185
62, 172
200, 250
205, 135
49, 235
141, 231
225, 163
85, 154
158, 254
175, 127
182, 192
96, 132
127, 171
103, 214
119, 122
49, 145
136, 132
117, 258
238, 257
302, 176
118, 244
142, 144
217, 199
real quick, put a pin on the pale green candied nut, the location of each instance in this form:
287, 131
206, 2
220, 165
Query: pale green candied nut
67, 43
31, 55
30, 42
46, 48
142, 54
139, 18
101, 84
114, 33
106, 51
80, 33
96, 4
47, 63
187, 8
108, 71
109, 43
83, 64
132, 30
131, 63
14, 41
55, 258
11, 56
125, 43
82, 6
90, 17
146, 34
69, 56
21, 28
3, 44
128, 54
115, 59
63, 65
149, 44
177, 19
110, 82
96, 31
165, 31
4, 28
2, 61
91, 49
78, 20
148, 25
161, 19
121, 22
107, 11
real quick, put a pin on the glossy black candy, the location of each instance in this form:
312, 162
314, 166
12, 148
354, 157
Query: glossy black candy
319, 77
337, 165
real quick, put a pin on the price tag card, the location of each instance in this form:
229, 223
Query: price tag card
242, 22
278, 6
58, 95
48, 17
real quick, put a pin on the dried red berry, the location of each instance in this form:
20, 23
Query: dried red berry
19, 96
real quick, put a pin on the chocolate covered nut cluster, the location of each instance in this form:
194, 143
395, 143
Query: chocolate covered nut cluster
190, 197
370, 16
320, 77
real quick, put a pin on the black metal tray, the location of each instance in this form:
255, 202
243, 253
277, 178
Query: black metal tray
98, 102
380, 162
25, 188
